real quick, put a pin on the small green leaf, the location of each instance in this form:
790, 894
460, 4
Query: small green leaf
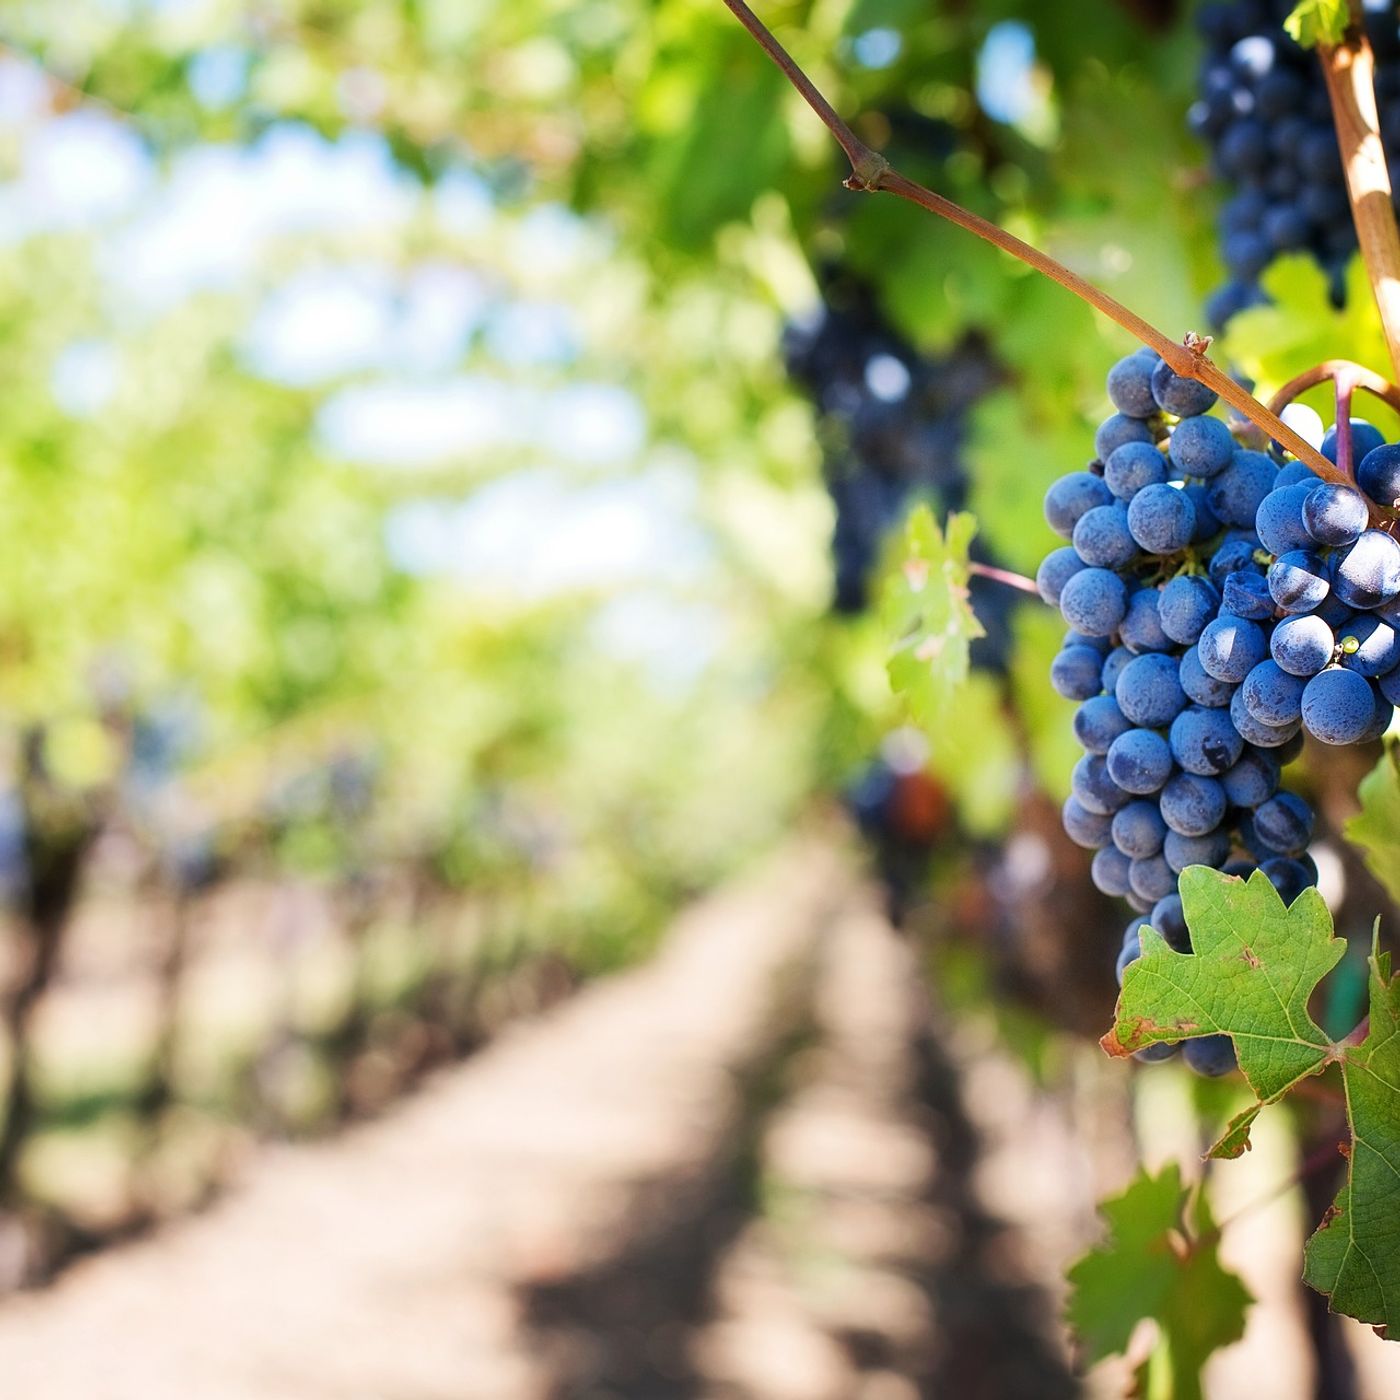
1151, 1266
1376, 828
1255, 964
926, 615
1354, 1255
1316, 22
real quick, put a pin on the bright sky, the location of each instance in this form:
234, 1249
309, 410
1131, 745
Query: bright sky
391, 346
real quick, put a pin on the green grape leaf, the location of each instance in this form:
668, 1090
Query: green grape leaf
1316, 22
1153, 1266
926, 614
1354, 1255
1376, 827
1254, 966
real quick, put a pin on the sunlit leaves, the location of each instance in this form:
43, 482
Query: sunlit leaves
1316, 22
1159, 1261
1253, 970
1376, 828
1354, 1255
926, 612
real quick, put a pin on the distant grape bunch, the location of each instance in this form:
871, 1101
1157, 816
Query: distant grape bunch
1219, 606
1263, 110
892, 423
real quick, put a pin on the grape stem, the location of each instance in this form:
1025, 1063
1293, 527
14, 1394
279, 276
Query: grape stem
1006, 576
1359, 375
1345, 388
870, 171
1349, 69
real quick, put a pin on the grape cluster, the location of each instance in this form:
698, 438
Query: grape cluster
1219, 605
902, 811
1264, 112
892, 423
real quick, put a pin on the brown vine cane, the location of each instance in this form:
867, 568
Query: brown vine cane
870, 171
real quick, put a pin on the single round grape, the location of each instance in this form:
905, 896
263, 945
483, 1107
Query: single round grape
1094, 788
1113, 665
1289, 877
1212, 849
1368, 646
1246, 254
1333, 611
1139, 761
1302, 646
1380, 723
1093, 601
1056, 570
1070, 497
1161, 519
1201, 446
1071, 638
1131, 467
1284, 824
1117, 429
1185, 605
1238, 492
1085, 828
1335, 515
1109, 872
1236, 550
1149, 690
1138, 830
1229, 648
1192, 805
1157, 1052
1256, 732
1141, 629
1378, 474
1102, 538
1294, 474
1271, 695
1098, 722
1338, 706
1368, 574
1252, 779
1152, 878
1205, 741
1169, 919
1207, 524
1246, 594
1199, 684
1390, 686
1299, 581
1279, 520
1178, 395
1286, 227
1130, 384
1210, 1055
1365, 438
1077, 673
1131, 949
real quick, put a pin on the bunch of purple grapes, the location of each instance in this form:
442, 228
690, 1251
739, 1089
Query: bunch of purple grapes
892, 423
1264, 112
1219, 605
